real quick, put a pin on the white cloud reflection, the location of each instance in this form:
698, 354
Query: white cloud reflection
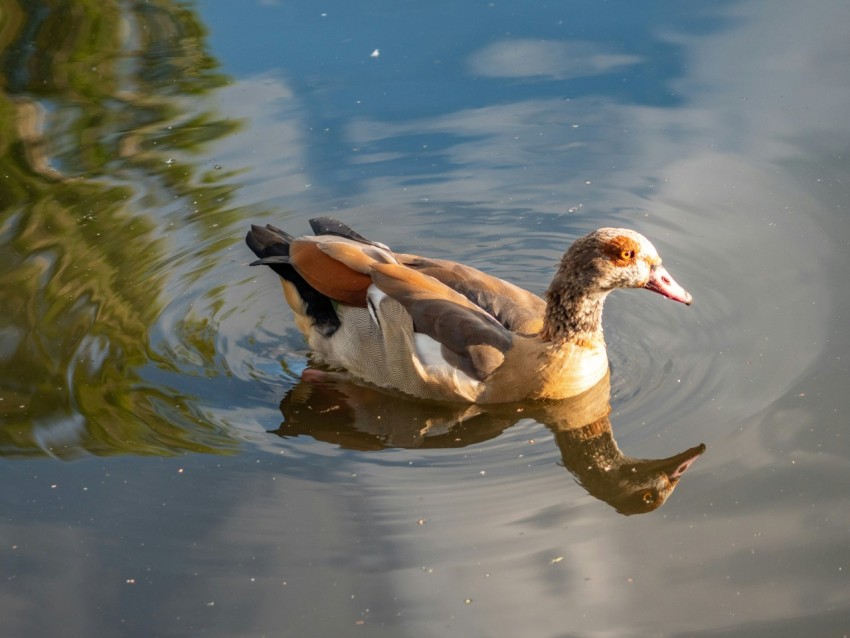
549, 58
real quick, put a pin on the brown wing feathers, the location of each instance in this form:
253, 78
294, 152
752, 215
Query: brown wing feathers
329, 276
444, 299
477, 341
518, 310
334, 264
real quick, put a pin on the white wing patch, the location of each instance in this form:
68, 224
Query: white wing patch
374, 296
428, 364
441, 371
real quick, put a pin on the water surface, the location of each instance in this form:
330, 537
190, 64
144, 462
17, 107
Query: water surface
165, 470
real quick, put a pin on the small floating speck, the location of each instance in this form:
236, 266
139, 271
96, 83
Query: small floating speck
467, 601
376, 53
556, 560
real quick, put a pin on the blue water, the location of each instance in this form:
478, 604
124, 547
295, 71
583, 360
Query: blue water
161, 473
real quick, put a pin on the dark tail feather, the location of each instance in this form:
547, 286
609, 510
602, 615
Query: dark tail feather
268, 261
271, 245
331, 226
268, 241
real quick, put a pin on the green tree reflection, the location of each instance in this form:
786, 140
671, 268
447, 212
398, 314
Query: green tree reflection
94, 96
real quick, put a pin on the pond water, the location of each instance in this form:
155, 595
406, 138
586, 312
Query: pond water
165, 470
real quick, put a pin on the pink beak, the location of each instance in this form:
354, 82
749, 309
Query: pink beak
661, 282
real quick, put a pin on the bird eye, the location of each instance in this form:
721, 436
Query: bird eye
627, 254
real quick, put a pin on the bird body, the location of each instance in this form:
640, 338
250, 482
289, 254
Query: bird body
441, 330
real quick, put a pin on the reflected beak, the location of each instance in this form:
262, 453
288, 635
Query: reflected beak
675, 466
661, 282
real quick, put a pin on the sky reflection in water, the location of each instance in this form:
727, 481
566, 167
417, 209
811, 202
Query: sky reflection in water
494, 135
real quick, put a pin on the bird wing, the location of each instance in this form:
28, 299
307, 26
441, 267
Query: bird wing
518, 310
470, 339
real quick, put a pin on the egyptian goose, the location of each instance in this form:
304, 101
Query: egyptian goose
440, 330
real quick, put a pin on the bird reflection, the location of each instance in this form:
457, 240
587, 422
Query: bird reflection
330, 407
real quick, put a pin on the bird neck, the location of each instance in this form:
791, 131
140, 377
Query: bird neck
573, 309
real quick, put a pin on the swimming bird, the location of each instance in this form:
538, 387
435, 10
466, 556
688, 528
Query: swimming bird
441, 330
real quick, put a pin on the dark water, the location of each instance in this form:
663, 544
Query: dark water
151, 484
